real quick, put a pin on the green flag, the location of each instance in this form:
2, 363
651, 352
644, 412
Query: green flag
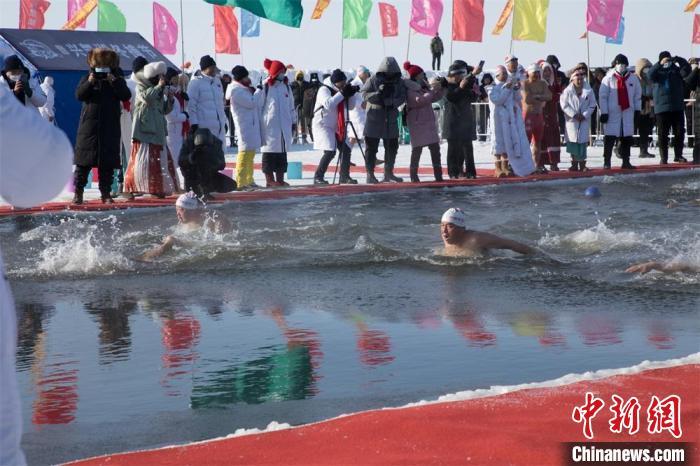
355, 16
109, 17
287, 12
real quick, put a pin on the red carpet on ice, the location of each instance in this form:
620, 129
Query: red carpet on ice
485, 178
525, 427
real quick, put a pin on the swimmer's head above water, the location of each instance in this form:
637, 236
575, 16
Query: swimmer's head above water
190, 209
453, 226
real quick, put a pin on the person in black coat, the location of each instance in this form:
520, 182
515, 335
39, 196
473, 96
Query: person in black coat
458, 122
98, 143
693, 83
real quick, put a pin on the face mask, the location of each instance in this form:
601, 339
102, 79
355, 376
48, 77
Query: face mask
14, 77
620, 68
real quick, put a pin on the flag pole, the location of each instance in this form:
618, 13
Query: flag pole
408, 46
383, 45
588, 54
452, 30
342, 34
512, 20
182, 37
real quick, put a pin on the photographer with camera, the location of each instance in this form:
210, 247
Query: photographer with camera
458, 123
329, 125
98, 143
16, 76
669, 74
383, 93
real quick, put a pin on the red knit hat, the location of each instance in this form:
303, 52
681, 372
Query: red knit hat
413, 70
274, 68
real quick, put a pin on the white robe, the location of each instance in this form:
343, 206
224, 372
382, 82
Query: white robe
325, 121
47, 160
620, 123
277, 117
358, 115
572, 104
507, 129
245, 110
175, 119
48, 110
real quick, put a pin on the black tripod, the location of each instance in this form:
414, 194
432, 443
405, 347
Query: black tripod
348, 152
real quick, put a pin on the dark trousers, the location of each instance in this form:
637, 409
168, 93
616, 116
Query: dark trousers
460, 158
436, 61
344, 162
665, 123
202, 181
645, 124
624, 148
80, 178
391, 148
696, 151
230, 126
434, 157
274, 162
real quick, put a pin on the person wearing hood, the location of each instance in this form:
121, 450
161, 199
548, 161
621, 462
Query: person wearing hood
98, 142
277, 119
645, 122
48, 110
458, 120
669, 74
126, 123
420, 118
245, 109
18, 79
206, 100
536, 94
299, 86
177, 117
620, 100
509, 143
151, 166
578, 103
383, 94
551, 138
308, 102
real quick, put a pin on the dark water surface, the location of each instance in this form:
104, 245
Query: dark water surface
318, 307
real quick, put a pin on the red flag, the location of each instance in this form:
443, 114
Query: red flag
390, 20
164, 30
468, 20
696, 29
31, 13
226, 30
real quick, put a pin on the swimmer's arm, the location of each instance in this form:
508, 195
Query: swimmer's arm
158, 251
666, 267
489, 241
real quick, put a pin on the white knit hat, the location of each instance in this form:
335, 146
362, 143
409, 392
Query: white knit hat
455, 216
154, 69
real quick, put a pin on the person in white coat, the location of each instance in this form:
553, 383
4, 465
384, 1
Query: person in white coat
177, 116
17, 78
578, 103
245, 109
47, 160
620, 98
277, 118
509, 142
48, 110
358, 108
329, 125
206, 104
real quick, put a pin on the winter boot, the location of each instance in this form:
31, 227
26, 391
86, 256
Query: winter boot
680, 159
663, 154
389, 176
626, 165
505, 167
347, 180
106, 198
270, 180
280, 178
415, 160
582, 167
322, 167
574, 166
606, 163
78, 196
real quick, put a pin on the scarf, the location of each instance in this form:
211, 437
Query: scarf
623, 98
340, 132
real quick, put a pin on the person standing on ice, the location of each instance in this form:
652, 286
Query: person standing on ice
329, 125
420, 118
436, 49
245, 109
383, 94
42, 145
578, 104
620, 102
178, 116
278, 116
509, 143
458, 121
206, 104
358, 109
48, 110
536, 94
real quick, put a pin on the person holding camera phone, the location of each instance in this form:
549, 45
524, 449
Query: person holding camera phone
458, 123
17, 78
98, 143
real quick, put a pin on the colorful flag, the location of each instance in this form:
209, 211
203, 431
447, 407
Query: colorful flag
226, 31
31, 13
426, 16
321, 6
584, 35
530, 20
468, 20
355, 16
603, 16
690, 7
287, 12
164, 30
74, 6
617, 40
80, 16
503, 18
250, 24
696, 29
390, 20
109, 17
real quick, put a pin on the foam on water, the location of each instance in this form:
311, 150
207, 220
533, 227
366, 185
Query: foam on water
599, 238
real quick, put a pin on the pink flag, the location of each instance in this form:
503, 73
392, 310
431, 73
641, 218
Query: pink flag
390, 20
164, 30
73, 7
603, 16
425, 16
696, 29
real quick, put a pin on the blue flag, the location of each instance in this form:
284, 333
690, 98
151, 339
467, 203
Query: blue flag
250, 24
620, 34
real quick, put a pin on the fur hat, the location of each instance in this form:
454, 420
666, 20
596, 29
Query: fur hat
413, 70
103, 58
152, 70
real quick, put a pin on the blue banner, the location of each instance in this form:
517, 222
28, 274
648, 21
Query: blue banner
620, 34
250, 24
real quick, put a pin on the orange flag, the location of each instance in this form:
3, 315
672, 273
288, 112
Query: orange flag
503, 19
690, 7
226, 30
80, 15
321, 6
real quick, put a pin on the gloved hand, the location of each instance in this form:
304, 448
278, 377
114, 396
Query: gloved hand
443, 81
604, 118
194, 128
349, 91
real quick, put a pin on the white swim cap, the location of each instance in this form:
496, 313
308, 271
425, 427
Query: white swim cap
189, 201
455, 216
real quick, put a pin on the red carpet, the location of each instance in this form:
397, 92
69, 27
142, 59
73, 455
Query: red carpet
485, 178
524, 427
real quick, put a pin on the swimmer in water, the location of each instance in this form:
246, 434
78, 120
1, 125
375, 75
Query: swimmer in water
462, 242
191, 215
665, 267
672, 203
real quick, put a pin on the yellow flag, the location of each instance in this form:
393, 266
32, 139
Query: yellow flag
530, 20
503, 19
80, 15
321, 6
690, 7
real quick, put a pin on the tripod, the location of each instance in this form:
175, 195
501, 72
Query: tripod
348, 152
